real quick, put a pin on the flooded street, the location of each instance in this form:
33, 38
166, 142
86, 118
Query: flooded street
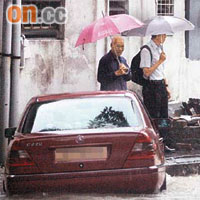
178, 187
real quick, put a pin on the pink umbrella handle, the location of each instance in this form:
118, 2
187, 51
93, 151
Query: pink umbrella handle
111, 38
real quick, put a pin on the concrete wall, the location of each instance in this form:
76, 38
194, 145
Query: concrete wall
55, 66
193, 36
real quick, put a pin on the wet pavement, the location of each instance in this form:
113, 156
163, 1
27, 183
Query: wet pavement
178, 188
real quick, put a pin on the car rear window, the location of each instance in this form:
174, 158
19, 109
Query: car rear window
83, 113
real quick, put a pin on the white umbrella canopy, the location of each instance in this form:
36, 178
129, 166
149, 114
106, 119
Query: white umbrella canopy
161, 25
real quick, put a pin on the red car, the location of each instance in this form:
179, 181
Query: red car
92, 141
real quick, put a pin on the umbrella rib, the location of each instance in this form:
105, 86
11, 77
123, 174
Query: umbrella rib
106, 30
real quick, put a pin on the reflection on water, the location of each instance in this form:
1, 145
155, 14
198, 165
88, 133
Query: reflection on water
109, 117
178, 188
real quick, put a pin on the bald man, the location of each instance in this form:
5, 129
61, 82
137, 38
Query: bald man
113, 70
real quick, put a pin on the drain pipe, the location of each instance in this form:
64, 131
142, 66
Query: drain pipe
15, 69
5, 79
156, 7
142, 7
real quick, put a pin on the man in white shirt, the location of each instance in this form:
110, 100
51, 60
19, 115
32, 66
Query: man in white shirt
155, 92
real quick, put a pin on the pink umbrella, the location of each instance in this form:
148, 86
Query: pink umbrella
107, 26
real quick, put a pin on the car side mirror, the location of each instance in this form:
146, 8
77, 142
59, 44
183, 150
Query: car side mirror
162, 123
9, 132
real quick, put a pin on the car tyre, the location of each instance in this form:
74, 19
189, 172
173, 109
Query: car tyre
8, 193
4, 187
164, 185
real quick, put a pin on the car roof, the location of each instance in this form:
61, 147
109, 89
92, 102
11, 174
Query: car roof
51, 97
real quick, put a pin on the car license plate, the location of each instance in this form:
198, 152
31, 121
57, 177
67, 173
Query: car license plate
80, 153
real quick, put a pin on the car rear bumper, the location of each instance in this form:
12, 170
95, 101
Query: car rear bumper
140, 180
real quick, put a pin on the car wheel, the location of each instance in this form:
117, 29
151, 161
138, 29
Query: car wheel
6, 192
164, 185
4, 188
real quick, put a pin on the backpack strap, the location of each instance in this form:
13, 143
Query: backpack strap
147, 47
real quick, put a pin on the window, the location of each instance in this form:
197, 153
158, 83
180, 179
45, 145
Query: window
83, 113
165, 7
38, 30
118, 7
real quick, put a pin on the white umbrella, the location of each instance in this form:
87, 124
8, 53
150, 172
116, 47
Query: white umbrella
161, 25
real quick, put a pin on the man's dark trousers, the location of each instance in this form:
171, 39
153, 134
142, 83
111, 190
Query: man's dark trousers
155, 99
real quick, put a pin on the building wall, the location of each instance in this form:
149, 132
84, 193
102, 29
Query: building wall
1, 23
55, 66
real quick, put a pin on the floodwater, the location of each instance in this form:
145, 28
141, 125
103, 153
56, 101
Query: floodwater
178, 188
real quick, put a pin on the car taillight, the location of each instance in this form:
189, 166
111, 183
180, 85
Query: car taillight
144, 148
144, 152
19, 161
19, 158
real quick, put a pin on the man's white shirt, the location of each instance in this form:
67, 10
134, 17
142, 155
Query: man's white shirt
158, 74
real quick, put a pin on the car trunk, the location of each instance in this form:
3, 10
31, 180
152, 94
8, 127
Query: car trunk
79, 151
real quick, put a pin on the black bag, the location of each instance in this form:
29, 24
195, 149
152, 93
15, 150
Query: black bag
137, 72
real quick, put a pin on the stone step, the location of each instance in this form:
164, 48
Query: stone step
183, 163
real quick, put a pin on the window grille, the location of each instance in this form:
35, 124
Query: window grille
39, 30
165, 7
118, 7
